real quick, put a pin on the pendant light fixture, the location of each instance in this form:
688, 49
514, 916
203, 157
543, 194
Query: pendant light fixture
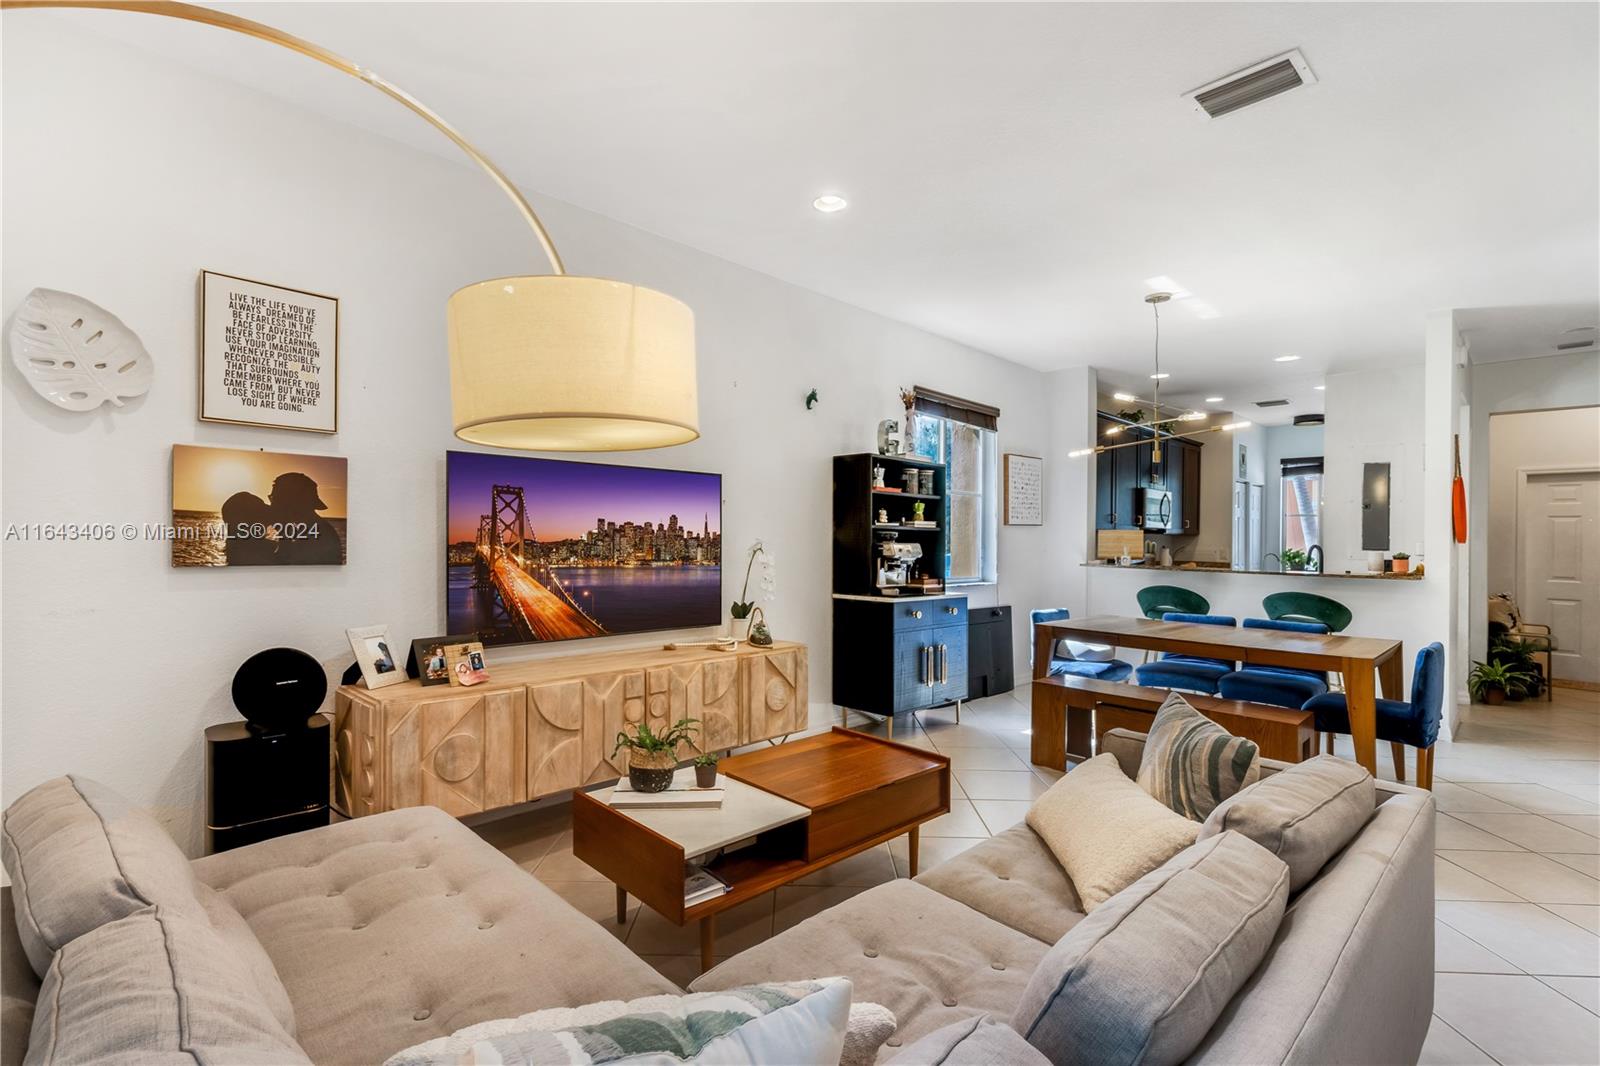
541, 362
1156, 423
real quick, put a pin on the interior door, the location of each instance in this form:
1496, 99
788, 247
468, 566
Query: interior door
1256, 494
1558, 567
1240, 546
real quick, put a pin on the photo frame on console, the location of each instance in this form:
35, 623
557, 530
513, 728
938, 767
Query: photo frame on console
374, 649
429, 661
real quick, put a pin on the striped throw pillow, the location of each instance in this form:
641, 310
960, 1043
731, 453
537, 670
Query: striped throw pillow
1191, 763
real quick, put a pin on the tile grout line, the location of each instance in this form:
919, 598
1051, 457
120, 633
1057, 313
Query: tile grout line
1468, 1040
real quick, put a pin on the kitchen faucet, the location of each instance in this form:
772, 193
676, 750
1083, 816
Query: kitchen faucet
1314, 558
1274, 557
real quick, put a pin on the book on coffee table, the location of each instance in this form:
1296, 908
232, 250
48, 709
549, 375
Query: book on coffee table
700, 884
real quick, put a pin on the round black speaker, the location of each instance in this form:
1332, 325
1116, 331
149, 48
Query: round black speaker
278, 689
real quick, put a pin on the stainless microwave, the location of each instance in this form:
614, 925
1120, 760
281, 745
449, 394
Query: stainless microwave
1152, 509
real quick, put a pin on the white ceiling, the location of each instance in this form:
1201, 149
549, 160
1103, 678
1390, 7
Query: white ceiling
1015, 172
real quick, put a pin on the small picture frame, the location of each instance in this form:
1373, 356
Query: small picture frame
429, 661
374, 650
466, 664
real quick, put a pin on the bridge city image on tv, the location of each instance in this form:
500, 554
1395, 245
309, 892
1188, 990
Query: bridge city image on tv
545, 549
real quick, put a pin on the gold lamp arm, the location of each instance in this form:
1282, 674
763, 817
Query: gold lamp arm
224, 21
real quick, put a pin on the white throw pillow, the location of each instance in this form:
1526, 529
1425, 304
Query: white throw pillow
801, 1022
1105, 830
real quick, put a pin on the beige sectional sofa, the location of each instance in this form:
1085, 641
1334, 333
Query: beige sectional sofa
349, 943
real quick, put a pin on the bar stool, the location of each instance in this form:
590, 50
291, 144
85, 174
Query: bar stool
1156, 601
1189, 672
1070, 657
1309, 607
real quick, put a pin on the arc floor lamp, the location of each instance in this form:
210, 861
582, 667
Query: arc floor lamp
542, 362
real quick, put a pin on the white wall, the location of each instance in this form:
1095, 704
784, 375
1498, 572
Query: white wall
1543, 383
1374, 416
126, 176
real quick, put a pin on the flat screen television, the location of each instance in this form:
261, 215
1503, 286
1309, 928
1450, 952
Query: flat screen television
545, 549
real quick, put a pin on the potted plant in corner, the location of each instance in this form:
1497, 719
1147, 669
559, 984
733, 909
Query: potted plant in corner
1489, 682
652, 756
705, 770
1402, 563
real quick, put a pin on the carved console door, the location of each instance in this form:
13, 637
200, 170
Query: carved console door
706, 691
611, 702
462, 754
776, 696
556, 759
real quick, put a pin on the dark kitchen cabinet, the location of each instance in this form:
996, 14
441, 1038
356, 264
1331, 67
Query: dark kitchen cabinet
896, 655
1121, 472
1188, 502
989, 668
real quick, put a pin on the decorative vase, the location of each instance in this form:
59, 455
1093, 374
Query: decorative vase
650, 771
705, 775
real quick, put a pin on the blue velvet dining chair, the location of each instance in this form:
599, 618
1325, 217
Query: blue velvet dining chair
1279, 686
1189, 672
1069, 657
1414, 724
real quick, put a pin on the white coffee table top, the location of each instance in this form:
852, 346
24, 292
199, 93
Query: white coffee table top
745, 811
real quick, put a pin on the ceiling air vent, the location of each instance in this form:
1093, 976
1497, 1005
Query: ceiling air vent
1574, 345
1252, 85
1309, 420
1272, 403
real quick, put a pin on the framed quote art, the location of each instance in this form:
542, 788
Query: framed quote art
1024, 490
269, 356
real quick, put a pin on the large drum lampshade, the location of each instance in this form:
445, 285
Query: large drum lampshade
561, 363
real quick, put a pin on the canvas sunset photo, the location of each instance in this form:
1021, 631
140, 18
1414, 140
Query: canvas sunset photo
541, 549
232, 507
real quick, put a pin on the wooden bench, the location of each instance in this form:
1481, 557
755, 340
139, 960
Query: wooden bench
1070, 714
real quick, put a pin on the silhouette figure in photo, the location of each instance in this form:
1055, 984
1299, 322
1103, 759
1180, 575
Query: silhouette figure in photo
247, 518
304, 537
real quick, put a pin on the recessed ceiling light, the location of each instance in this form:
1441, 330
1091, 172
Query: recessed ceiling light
1159, 377
1125, 397
830, 203
1166, 285
1319, 388
1285, 358
1213, 399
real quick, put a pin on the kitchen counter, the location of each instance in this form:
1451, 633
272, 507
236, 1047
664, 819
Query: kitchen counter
1203, 568
904, 596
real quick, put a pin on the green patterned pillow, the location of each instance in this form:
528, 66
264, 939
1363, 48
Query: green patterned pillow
1191, 763
801, 1021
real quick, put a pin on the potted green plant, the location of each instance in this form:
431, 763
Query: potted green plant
1489, 682
1402, 562
705, 769
1518, 657
652, 756
1292, 559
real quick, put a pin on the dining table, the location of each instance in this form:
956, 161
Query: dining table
1368, 664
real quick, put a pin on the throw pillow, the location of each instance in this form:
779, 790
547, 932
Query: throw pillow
1191, 763
870, 1025
977, 1041
1304, 814
1105, 830
1143, 979
801, 1021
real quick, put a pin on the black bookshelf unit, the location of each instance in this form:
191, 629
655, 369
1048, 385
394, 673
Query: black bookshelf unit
857, 532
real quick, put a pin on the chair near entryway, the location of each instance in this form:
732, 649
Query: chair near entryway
1156, 601
1414, 724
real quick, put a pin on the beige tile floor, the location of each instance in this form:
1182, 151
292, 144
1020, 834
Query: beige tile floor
1517, 875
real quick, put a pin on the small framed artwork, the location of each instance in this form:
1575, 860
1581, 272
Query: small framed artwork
465, 663
269, 356
374, 650
1244, 462
1024, 483
235, 507
430, 657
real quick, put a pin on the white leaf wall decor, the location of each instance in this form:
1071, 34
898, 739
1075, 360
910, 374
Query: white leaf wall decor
75, 353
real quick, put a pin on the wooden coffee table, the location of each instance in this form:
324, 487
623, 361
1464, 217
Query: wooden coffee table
790, 809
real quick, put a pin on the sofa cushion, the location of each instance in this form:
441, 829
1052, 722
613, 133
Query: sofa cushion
1304, 814
80, 856
458, 932
1106, 831
926, 957
979, 1041
1142, 979
802, 1021
156, 986
1014, 879
1191, 763
236, 934
19, 986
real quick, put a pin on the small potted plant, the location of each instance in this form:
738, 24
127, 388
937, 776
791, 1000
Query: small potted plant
705, 769
1402, 563
1293, 559
652, 756
1489, 682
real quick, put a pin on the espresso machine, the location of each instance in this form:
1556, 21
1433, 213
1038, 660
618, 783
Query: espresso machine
899, 559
